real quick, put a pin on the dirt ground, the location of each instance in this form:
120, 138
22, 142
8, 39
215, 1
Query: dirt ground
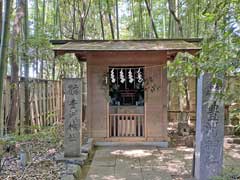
142, 162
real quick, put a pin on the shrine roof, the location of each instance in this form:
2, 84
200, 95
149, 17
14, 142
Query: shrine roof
66, 46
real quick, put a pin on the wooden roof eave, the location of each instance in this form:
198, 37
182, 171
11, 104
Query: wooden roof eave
191, 40
82, 55
83, 48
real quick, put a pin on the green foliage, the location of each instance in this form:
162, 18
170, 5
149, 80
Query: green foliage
237, 130
179, 70
52, 134
182, 67
214, 20
56, 132
235, 112
217, 21
68, 66
220, 47
228, 174
235, 115
2, 144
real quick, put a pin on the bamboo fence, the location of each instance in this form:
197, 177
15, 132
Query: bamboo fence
45, 103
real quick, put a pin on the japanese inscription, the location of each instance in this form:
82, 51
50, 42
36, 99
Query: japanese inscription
212, 120
209, 129
73, 89
72, 117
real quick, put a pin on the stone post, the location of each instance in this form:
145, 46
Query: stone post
209, 130
72, 117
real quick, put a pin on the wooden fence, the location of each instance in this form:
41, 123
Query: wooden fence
45, 102
122, 125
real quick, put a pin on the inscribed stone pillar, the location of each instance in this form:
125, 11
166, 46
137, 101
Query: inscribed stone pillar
72, 116
209, 130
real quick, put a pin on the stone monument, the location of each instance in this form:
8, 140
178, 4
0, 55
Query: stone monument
209, 129
72, 117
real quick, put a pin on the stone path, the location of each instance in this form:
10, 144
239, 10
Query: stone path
147, 163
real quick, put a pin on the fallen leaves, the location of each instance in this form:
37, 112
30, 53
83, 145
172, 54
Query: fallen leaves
42, 166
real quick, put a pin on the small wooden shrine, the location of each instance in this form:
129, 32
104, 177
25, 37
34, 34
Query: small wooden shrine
127, 86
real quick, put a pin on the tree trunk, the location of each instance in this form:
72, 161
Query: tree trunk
27, 122
117, 20
1, 6
43, 26
58, 32
140, 20
74, 19
164, 25
53, 68
101, 19
36, 34
83, 17
15, 68
198, 16
175, 16
110, 19
3, 54
185, 84
132, 17
59, 20
36, 17
151, 18
43, 13
169, 25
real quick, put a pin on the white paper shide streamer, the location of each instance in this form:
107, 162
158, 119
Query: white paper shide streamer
113, 80
122, 78
130, 76
139, 76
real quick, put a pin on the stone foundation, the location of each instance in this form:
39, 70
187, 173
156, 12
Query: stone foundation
74, 164
228, 130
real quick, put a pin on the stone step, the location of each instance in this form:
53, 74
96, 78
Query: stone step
233, 140
228, 130
184, 140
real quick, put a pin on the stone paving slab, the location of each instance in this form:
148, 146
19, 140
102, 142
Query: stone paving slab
104, 161
128, 174
156, 176
148, 163
100, 173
